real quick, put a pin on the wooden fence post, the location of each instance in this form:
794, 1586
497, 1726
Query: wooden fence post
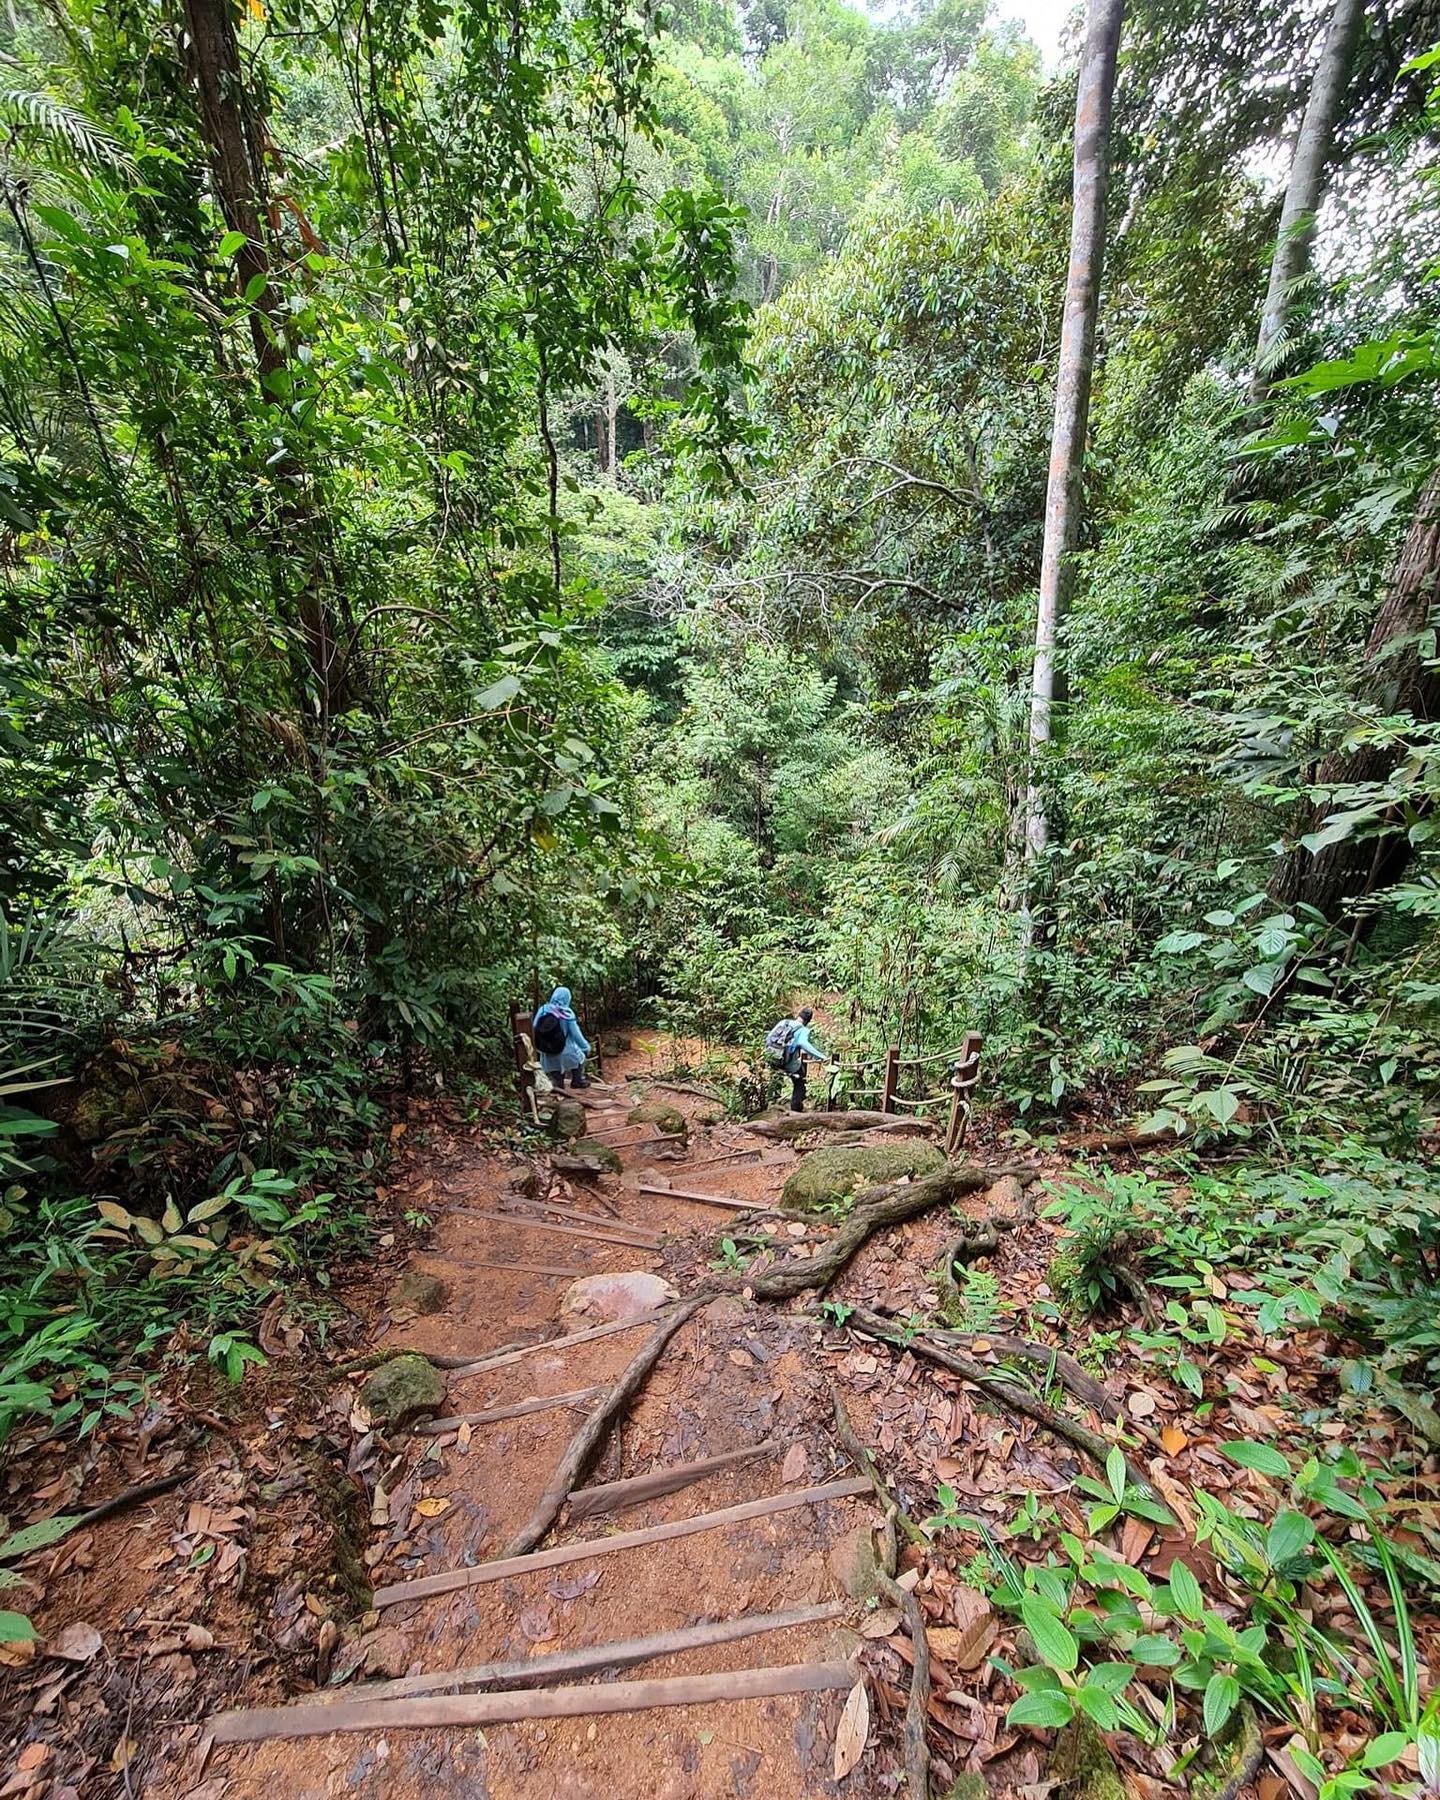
522, 1046
892, 1078
964, 1078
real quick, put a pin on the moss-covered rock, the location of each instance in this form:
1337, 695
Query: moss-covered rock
833, 1175
661, 1115
588, 1157
568, 1118
403, 1386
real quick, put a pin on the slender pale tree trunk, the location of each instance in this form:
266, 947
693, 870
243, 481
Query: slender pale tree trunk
1093, 106
1306, 187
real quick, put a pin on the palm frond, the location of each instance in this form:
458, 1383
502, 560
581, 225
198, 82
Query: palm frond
33, 113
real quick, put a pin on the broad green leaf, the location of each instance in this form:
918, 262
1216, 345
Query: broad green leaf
1221, 1695
230, 243
15, 1628
1110, 1678
1053, 1641
1265, 1459
1384, 1749
1049, 1708
1288, 1536
1185, 1591
499, 693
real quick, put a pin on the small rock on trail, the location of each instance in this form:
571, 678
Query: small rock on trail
606, 1299
568, 1118
420, 1293
664, 1117
405, 1385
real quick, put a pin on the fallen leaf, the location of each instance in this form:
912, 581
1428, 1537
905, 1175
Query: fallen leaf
962, 1647
124, 1755
434, 1507
32, 1756
742, 1359
1140, 1404
380, 1505
1135, 1541
573, 1586
15, 1655
462, 1437
881, 1622
795, 1463
853, 1731
197, 1637
1173, 1440
537, 1623
78, 1643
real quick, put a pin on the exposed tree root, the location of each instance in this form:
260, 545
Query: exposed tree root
685, 1087
865, 1463
132, 1496
917, 1713
1067, 1371
1105, 1143
587, 1441
875, 1208
990, 1381
793, 1125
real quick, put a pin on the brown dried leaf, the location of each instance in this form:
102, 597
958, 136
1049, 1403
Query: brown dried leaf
537, 1623
434, 1507
963, 1646
77, 1643
1141, 1405
881, 1622
853, 1731
795, 1464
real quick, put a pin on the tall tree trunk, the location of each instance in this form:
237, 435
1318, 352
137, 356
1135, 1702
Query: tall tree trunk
1093, 106
1306, 187
1402, 681
238, 170
605, 427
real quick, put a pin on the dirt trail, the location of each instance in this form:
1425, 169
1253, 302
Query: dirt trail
731, 1377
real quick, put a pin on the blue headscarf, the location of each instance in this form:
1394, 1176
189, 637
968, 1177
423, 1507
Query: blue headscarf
559, 1003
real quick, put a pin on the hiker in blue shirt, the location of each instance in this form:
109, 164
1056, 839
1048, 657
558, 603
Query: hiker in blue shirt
561, 1044
787, 1044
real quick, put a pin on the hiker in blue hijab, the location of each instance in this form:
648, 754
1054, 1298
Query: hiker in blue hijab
561, 1044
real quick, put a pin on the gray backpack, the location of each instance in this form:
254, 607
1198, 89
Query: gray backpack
777, 1039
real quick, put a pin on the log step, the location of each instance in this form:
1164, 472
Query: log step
503, 1567
466, 1711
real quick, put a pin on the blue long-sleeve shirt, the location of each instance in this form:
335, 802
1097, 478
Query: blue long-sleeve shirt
801, 1044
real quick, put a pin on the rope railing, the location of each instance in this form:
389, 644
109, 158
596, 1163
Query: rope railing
964, 1075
